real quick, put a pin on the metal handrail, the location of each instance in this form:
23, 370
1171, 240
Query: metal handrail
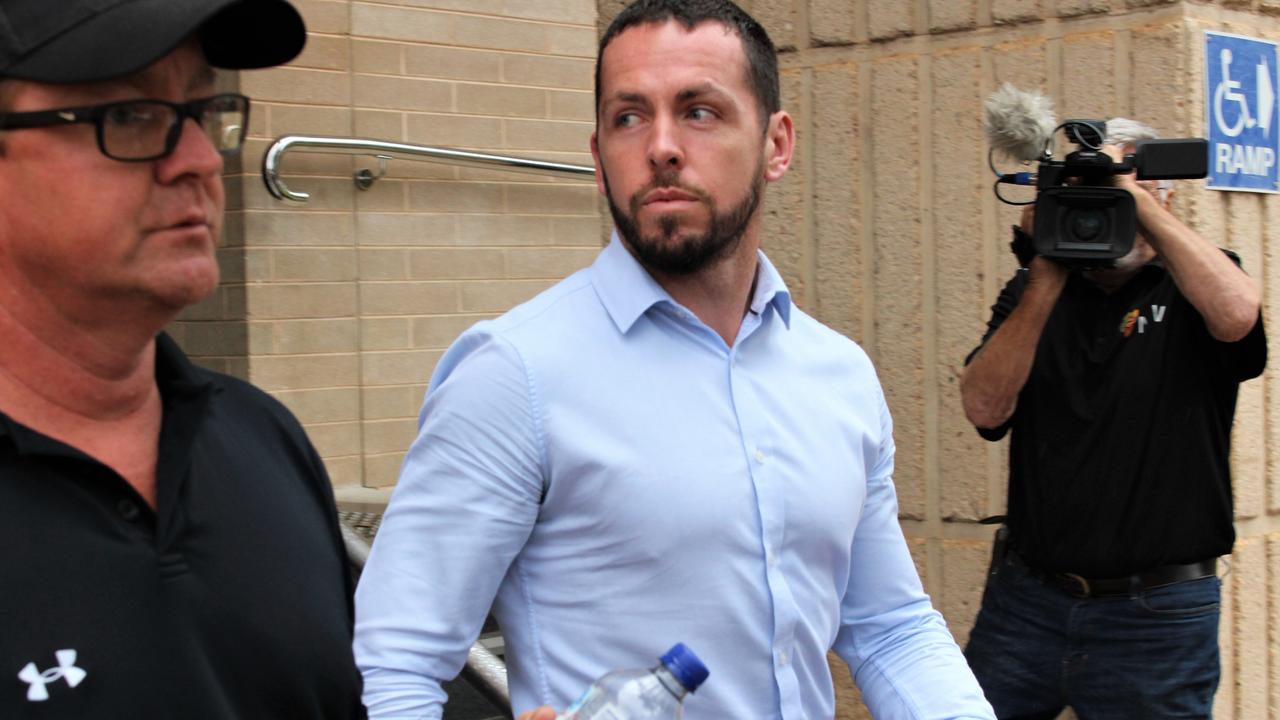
483, 670
383, 150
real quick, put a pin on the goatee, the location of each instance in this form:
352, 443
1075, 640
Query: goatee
667, 254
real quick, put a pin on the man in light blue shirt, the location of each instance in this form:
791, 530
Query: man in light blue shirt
662, 447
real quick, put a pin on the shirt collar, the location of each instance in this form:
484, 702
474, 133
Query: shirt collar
176, 377
627, 290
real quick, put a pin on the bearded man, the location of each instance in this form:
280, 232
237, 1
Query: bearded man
662, 447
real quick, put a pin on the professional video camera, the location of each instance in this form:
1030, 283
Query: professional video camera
1080, 219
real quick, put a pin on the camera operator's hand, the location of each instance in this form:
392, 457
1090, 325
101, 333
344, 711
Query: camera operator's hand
1043, 271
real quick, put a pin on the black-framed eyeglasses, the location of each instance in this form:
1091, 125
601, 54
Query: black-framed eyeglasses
140, 130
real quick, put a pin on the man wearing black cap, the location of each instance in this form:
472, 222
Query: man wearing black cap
170, 543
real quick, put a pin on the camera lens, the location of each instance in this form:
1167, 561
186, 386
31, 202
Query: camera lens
1085, 225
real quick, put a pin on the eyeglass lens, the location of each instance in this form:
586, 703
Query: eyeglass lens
145, 129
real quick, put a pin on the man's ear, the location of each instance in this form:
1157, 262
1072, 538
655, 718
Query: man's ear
779, 145
595, 158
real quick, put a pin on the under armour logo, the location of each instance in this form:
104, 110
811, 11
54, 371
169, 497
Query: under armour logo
66, 670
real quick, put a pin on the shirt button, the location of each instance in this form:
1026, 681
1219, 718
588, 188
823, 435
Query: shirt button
772, 558
760, 456
128, 510
783, 657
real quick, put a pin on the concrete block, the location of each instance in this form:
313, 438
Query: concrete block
1021, 62
394, 401
335, 439
501, 100
399, 93
571, 105
456, 264
952, 15
374, 229
384, 264
379, 57
1010, 12
321, 405
579, 12
408, 298
396, 23
572, 41
300, 372
547, 135
386, 333
837, 199
500, 34
833, 22
557, 199
313, 229
899, 263
778, 19
1249, 628
332, 264
509, 230
325, 335
888, 19
453, 131
585, 231
964, 575
382, 470
960, 182
437, 332
305, 120
389, 436
455, 197
325, 16
298, 85
785, 237
1088, 77
400, 367
1160, 58
1075, 8
302, 300
547, 263
453, 63
325, 52
542, 71
381, 125
345, 471
484, 296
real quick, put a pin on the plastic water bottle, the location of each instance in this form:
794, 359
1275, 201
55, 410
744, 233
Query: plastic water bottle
655, 693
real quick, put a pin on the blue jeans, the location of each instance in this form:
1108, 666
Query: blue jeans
1154, 654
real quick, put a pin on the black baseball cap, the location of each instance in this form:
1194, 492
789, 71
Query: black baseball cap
80, 41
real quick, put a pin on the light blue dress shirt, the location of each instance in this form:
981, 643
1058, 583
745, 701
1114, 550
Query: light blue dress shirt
600, 466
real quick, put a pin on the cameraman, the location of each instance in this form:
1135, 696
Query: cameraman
1119, 385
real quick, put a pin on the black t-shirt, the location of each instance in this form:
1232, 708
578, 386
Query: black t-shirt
1121, 437
231, 600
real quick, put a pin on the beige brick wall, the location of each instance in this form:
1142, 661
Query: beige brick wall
341, 307
886, 228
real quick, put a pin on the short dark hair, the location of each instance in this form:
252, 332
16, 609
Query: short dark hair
762, 58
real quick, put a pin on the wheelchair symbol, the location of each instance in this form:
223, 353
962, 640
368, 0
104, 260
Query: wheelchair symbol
1229, 93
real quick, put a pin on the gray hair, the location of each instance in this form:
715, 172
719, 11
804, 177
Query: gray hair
1123, 131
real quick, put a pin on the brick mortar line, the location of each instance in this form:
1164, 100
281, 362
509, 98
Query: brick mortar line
464, 13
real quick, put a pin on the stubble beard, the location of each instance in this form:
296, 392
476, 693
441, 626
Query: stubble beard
666, 252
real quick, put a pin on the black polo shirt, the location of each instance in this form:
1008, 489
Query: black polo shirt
231, 600
1121, 437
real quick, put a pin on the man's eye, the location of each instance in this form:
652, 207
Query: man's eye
626, 120
136, 115
700, 114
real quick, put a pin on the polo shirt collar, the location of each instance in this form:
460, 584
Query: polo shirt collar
176, 376
627, 290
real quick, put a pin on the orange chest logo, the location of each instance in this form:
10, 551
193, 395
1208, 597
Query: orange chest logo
1135, 320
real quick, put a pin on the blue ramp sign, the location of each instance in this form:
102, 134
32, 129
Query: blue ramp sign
1240, 74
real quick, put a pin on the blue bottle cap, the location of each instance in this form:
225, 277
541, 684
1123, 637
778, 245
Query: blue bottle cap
686, 666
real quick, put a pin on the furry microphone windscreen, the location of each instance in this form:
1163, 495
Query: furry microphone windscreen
1019, 123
